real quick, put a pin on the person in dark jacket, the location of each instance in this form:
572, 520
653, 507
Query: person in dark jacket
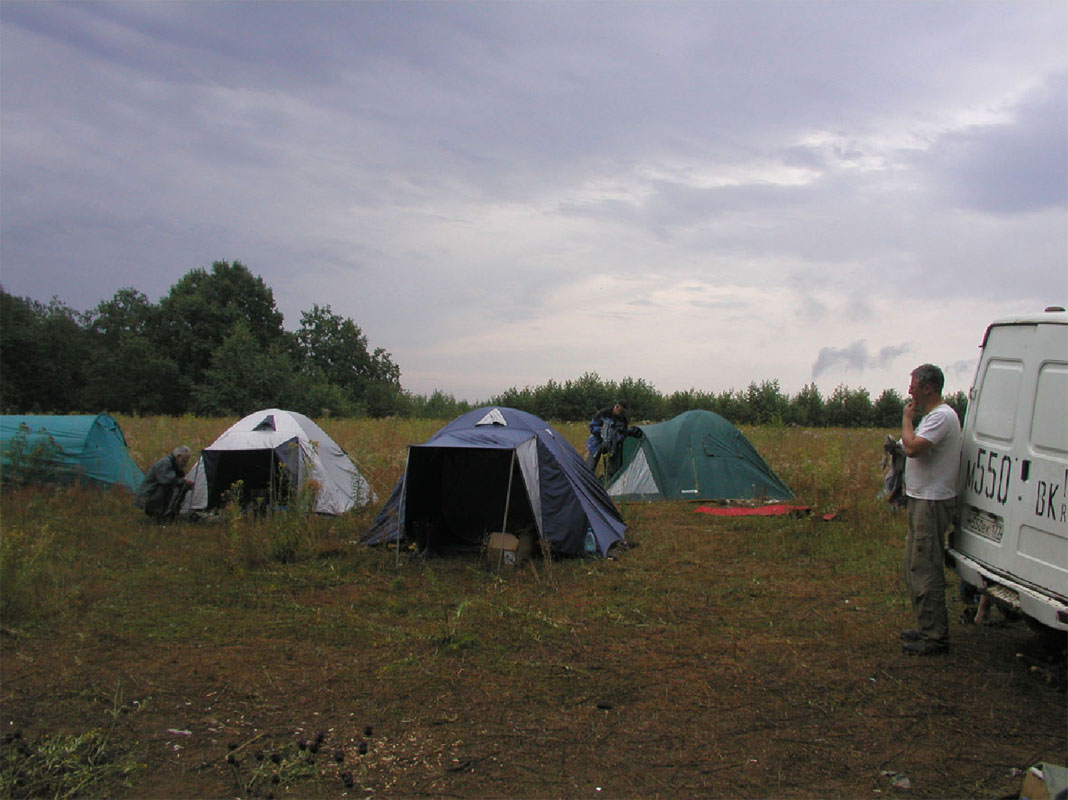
607, 429
164, 486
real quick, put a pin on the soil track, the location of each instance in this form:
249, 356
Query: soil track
645, 717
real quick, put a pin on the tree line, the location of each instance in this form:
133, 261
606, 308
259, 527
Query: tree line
214, 345
761, 403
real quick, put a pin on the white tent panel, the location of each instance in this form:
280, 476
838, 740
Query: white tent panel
637, 478
527, 456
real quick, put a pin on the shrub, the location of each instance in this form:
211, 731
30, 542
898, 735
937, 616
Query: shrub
26, 462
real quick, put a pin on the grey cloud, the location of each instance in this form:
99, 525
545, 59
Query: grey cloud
961, 372
809, 309
642, 302
855, 357
887, 355
858, 308
1014, 167
360, 149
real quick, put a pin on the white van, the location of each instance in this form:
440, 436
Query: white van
1012, 533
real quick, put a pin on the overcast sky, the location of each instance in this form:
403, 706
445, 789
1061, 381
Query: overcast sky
699, 194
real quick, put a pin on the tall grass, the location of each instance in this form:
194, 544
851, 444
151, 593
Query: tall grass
67, 548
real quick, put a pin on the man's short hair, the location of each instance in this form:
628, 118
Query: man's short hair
180, 451
929, 375
623, 404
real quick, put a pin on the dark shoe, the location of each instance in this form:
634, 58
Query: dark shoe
910, 635
924, 647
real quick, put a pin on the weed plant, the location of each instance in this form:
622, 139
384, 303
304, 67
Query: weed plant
28, 461
62, 765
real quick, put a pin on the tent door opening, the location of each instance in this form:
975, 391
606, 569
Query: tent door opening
456, 497
265, 480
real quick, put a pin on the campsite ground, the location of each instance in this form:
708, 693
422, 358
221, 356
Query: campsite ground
720, 657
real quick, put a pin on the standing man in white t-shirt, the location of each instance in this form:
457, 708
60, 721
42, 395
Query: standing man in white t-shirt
933, 459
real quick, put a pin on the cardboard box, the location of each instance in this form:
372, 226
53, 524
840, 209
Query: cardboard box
501, 550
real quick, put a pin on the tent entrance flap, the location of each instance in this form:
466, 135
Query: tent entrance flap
265, 480
455, 497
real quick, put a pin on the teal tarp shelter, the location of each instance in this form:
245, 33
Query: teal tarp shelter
698, 455
65, 448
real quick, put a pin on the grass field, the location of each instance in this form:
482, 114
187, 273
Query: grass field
720, 657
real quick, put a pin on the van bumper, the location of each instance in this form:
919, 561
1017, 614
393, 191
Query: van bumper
1050, 611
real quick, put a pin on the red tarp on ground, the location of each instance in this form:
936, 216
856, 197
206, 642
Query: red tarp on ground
758, 511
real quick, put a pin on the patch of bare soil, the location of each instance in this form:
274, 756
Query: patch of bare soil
648, 717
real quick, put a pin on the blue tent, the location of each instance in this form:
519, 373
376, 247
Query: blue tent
66, 448
495, 469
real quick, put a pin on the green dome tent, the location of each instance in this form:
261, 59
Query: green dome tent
698, 455
67, 448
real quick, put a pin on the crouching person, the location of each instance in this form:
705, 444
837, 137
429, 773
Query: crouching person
165, 485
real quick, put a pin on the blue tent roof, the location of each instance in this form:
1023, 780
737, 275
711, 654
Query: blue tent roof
77, 447
494, 469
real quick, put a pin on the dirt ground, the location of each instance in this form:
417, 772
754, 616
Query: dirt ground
744, 717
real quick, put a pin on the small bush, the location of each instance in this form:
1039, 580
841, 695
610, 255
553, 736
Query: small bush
60, 765
25, 462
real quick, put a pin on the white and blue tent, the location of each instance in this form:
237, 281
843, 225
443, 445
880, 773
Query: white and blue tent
273, 453
499, 469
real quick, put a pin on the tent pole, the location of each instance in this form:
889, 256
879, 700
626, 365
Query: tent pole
693, 467
507, 502
270, 484
403, 503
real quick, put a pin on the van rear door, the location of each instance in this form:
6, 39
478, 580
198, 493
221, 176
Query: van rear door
1014, 463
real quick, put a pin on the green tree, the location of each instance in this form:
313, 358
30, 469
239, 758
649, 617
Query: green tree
644, 400
244, 376
732, 406
680, 401
958, 401
44, 354
202, 308
886, 413
314, 396
128, 370
807, 408
849, 408
19, 344
338, 349
513, 397
439, 405
579, 399
546, 401
130, 374
128, 313
384, 400
767, 404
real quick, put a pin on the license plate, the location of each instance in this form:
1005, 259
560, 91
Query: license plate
983, 523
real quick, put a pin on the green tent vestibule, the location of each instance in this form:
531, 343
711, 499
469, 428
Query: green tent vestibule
698, 455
